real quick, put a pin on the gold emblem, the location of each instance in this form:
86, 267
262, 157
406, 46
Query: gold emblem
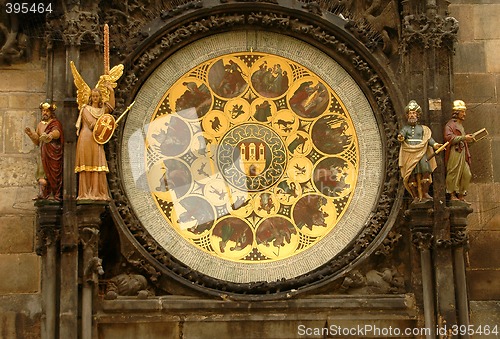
104, 128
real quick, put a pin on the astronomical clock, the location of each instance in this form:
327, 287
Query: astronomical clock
249, 159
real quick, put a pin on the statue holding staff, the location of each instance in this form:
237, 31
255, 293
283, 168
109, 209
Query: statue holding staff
415, 155
95, 107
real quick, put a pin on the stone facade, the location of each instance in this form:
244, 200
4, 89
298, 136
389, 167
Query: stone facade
21, 91
476, 81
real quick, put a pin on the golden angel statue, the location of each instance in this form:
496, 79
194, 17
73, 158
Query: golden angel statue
94, 127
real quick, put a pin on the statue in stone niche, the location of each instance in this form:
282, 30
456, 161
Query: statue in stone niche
416, 161
91, 164
127, 285
457, 156
48, 135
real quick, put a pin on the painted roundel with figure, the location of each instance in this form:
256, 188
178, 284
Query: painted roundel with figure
250, 157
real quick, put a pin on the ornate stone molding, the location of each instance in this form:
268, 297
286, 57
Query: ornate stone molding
48, 225
423, 240
389, 243
89, 222
73, 28
436, 31
169, 42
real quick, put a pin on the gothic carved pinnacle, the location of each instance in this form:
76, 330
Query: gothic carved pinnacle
73, 28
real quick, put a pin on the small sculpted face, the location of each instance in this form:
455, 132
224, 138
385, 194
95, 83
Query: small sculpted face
461, 115
46, 114
412, 117
96, 97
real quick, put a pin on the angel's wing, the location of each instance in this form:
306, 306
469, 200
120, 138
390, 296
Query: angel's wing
82, 89
114, 74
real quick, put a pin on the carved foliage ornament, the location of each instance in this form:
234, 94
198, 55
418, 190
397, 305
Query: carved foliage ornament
436, 31
73, 28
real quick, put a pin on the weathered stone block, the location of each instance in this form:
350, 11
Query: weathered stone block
485, 313
16, 141
473, 219
8, 324
484, 199
15, 200
483, 284
26, 100
21, 273
147, 329
492, 48
470, 57
483, 249
4, 100
2, 131
475, 87
495, 149
482, 115
20, 316
486, 21
16, 80
247, 329
17, 171
481, 163
18, 234
463, 13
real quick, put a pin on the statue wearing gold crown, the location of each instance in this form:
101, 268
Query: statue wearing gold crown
48, 135
94, 127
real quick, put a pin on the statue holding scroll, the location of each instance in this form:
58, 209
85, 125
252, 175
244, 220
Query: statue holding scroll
457, 157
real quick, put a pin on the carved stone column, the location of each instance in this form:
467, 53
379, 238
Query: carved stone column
428, 35
421, 221
89, 222
459, 243
47, 238
70, 36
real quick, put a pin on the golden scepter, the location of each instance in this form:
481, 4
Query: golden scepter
106, 49
439, 150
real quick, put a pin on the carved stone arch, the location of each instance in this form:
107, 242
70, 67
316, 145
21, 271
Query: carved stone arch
90, 37
325, 33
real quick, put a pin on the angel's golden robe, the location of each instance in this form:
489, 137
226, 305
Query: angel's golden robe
90, 157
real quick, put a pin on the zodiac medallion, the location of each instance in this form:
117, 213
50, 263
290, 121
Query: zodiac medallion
251, 157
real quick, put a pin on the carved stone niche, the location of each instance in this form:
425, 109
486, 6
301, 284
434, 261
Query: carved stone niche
194, 219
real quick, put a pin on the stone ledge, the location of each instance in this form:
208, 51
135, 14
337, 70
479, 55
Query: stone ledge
402, 304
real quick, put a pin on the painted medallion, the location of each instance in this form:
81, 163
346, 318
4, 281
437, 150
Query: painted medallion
251, 157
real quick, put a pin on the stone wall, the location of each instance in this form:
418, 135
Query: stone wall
21, 90
477, 81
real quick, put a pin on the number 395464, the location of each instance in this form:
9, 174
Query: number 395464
27, 7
